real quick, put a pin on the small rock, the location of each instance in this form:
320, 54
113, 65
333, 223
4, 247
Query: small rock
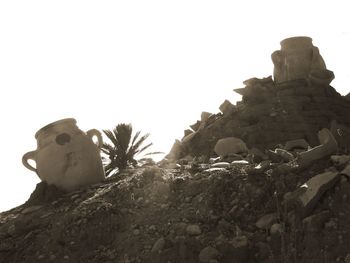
41, 257
66, 257
276, 229
193, 230
158, 245
296, 144
31, 209
207, 254
136, 232
266, 221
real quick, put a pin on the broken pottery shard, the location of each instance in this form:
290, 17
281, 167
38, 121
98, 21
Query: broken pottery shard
328, 146
227, 108
296, 144
230, 145
313, 189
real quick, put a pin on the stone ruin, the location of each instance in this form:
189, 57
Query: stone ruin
293, 105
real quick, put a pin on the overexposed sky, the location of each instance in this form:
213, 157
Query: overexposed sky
155, 64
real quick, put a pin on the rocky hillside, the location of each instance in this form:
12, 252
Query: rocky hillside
193, 212
265, 181
269, 114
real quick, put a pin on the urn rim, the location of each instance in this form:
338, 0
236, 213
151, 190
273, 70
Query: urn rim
295, 42
50, 125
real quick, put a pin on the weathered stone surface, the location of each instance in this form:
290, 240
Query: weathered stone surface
314, 223
195, 126
207, 254
266, 221
310, 192
187, 132
227, 108
230, 145
328, 146
193, 230
205, 116
176, 151
296, 144
346, 171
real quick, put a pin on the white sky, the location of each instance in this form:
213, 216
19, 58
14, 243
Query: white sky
155, 64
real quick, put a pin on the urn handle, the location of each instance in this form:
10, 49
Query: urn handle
29, 156
93, 132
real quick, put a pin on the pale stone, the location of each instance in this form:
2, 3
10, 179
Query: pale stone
230, 145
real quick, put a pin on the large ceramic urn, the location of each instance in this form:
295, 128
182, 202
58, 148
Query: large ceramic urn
66, 156
297, 59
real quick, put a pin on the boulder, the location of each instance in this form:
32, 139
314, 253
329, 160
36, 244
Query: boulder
230, 145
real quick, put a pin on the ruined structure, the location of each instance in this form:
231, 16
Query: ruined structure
295, 104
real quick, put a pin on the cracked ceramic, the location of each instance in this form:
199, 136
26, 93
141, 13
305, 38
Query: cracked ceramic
66, 156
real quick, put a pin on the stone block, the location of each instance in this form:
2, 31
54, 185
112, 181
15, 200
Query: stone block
309, 193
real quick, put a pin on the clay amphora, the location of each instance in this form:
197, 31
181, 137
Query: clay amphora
297, 57
66, 156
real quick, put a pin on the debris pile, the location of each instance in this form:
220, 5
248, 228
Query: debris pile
291, 106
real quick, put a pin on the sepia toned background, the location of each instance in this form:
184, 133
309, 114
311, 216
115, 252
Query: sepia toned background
155, 64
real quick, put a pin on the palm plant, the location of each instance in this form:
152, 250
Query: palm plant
123, 148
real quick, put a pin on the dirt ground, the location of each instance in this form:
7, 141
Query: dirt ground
187, 214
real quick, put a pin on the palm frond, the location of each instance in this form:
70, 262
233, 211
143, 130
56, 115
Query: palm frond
111, 136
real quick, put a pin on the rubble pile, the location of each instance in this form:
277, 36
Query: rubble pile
273, 111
